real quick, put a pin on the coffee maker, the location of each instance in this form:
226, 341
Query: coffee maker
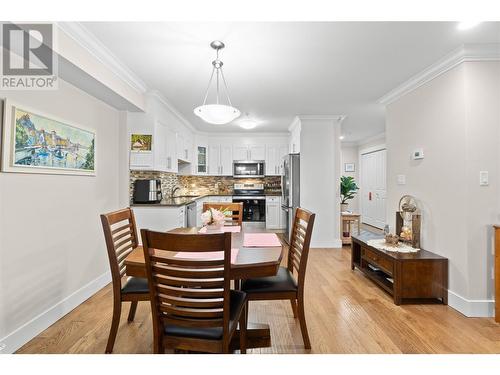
147, 191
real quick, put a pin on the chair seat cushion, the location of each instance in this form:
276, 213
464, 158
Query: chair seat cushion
136, 285
282, 282
237, 301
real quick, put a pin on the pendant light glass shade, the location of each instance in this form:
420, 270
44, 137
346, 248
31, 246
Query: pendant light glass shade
217, 113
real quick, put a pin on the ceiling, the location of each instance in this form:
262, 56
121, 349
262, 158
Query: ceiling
278, 70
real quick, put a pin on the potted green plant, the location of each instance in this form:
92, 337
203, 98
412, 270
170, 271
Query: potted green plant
348, 190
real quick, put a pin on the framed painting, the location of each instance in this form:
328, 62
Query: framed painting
141, 142
34, 142
349, 167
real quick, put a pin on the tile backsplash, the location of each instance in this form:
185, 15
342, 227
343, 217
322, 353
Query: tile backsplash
201, 185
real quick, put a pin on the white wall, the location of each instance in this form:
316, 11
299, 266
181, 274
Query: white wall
349, 154
52, 251
319, 178
455, 118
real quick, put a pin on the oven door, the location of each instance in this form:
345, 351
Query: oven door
248, 169
254, 208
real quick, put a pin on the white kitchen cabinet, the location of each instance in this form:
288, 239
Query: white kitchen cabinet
274, 159
171, 151
220, 160
213, 160
159, 218
273, 213
257, 152
249, 152
201, 162
240, 153
226, 160
184, 147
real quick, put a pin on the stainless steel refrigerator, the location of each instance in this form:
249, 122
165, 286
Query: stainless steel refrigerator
290, 189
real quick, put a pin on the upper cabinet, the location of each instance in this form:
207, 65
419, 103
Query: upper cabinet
163, 154
220, 160
249, 152
184, 148
274, 157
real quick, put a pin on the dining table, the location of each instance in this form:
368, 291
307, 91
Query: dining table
249, 262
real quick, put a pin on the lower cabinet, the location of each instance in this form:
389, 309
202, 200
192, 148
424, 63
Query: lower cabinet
274, 215
159, 218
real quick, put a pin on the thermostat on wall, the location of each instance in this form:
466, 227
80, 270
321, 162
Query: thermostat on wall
418, 154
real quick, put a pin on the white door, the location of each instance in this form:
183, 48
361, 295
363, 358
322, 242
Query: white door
373, 188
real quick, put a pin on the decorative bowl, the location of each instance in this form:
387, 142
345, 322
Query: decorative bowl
391, 239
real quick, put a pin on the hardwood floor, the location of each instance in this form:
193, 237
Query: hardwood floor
345, 312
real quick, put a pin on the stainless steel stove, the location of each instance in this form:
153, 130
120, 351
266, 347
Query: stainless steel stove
254, 201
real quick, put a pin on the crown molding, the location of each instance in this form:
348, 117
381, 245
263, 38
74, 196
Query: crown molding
298, 118
338, 118
376, 137
466, 52
163, 100
89, 41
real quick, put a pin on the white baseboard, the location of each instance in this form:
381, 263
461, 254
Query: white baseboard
336, 244
19, 337
471, 308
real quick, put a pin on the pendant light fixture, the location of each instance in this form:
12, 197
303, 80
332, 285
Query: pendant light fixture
217, 113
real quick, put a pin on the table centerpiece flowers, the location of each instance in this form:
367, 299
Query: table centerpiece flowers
213, 220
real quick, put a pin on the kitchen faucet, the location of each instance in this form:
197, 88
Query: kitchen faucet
174, 189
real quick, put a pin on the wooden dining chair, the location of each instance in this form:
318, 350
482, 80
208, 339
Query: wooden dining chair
236, 209
120, 234
192, 305
284, 286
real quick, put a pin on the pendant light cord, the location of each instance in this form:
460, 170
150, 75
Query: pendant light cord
214, 69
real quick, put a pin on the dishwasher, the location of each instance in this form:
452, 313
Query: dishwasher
191, 215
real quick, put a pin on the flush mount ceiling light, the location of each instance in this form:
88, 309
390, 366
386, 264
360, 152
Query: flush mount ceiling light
466, 25
247, 123
217, 113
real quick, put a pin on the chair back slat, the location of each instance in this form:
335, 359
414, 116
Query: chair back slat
236, 209
120, 234
300, 239
190, 292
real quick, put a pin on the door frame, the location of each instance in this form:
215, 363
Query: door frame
364, 151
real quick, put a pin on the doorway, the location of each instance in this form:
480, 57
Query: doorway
373, 187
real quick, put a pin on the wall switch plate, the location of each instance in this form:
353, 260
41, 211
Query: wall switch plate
401, 179
484, 179
418, 154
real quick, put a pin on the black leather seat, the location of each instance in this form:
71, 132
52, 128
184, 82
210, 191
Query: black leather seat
237, 300
282, 282
136, 285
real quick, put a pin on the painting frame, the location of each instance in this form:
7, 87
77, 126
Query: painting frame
8, 142
148, 142
349, 167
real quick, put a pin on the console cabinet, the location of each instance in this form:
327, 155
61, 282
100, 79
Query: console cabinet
420, 277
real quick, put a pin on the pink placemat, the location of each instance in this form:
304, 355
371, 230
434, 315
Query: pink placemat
208, 255
229, 228
261, 240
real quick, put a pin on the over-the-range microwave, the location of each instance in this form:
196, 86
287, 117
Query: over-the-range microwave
248, 168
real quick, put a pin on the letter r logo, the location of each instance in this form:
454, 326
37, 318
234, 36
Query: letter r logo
27, 49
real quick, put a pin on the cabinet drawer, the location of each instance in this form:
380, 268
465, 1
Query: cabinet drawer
378, 260
273, 199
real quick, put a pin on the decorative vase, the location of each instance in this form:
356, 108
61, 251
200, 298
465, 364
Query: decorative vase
214, 228
344, 207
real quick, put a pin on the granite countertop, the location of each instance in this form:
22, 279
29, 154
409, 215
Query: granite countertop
185, 200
